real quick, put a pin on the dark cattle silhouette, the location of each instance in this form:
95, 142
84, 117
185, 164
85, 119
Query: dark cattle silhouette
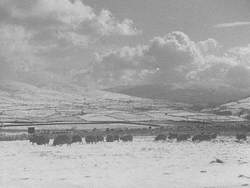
116, 137
31, 130
241, 136
90, 139
76, 139
61, 140
172, 136
201, 137
213, 136
39, 139
99, 138
32, 139
127, 138
204, 137
109, 138
183, 137
160, 137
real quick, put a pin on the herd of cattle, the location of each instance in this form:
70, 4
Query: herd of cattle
42, 139
195, 138
183, 137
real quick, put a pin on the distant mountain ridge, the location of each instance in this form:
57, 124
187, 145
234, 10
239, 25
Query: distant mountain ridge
199, 96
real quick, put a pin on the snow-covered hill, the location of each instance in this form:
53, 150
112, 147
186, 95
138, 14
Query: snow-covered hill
239, 108
71, 103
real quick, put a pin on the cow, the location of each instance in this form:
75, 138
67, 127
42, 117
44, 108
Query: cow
39, 139
213, 136
90, 139
204, 137
160, 137
183, 137
76, 139
172, 136
116, 137
99, 138
109, 138
127, 138
61, 140
241, 137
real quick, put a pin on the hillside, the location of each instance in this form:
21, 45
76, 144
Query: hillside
196, 95
239, 108
71, 103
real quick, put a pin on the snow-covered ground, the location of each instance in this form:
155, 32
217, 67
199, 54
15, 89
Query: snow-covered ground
140, 164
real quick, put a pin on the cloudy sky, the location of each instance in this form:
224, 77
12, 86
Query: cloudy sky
107, 43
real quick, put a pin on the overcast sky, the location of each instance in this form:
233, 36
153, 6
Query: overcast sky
125, 42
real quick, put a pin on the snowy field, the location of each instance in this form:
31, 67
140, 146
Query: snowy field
140, 164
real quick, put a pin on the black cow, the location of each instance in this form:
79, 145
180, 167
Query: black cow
39, 139
116, 137
183, 137
160, 137
213, 136
241, 137
204, 137
172, 136
109, 138
61, 140
99, 138
127, 138
90, 139
76, 139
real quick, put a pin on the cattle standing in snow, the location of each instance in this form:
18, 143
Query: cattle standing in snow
127, 138
90, 139
99, 138
204, 137
61, 140
172, 136
116, 137
183, 137
160, 137
201, 137
39, 139
76, 139
241, 137
109, 138
213, 136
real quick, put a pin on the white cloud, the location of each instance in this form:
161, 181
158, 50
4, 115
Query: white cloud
66, 11
107, 24
55, 33
163, 60
16, 51
238, 76
232, 24
209, 46
74, 38
74, 15
175, 59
